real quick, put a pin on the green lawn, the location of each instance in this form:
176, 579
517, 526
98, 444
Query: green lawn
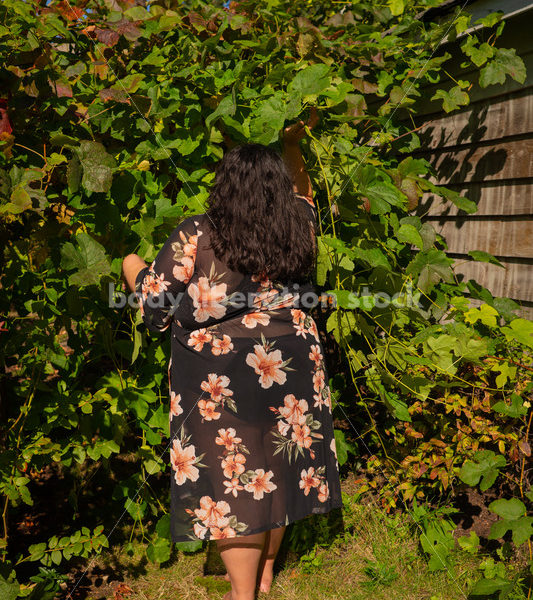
376, 557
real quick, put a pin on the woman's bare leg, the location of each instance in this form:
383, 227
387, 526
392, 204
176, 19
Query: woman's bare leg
266, 564
241, 556
268, 556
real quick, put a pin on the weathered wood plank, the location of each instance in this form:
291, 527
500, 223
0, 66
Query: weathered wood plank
488, 120
509, 238
506, 160
492, 198
514, 281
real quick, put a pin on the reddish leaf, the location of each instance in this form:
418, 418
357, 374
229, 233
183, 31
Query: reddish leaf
525, 447
107, 36
5, 125
126, 28
68, 11
61, 90
114, 94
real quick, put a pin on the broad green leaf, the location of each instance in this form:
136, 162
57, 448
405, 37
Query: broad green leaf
409, 234
484, 467
481, 256
508, 509
396, 7
89, 259
507, 372
519, 330
431, 266
515, 409
158, 550
97, 166
487, 587
478, 53
505, 62
485, 313
452, 99
310, 80
342, 446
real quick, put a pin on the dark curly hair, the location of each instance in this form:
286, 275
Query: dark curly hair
261, 228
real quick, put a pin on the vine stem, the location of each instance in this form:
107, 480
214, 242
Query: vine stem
521, 487
511, 361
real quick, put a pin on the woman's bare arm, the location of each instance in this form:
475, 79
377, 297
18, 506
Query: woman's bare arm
131, 266
292, 155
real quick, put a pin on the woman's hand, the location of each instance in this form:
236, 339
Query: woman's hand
294, 133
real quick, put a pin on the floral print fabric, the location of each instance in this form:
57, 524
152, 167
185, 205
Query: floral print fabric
252, 445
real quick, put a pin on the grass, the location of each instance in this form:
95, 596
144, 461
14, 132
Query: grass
376, 556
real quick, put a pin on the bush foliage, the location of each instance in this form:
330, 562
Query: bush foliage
112, 115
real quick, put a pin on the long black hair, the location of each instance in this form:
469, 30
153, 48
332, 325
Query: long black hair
260, 227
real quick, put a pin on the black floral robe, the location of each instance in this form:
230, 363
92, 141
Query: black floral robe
252, 445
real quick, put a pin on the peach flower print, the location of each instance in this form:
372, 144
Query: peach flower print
283, 427
267, 366
198, 338
200, 530
233, 486
315, 355
228, 438
189, 246
294, 410
222, 346
206, 299
313, 330
216, 386
182, 460
207, 410
333, 447
153, 284
319, 380
308, 480
212, 513
220, 534
184, 271
323, 491
233, 464
301, 435
255, 318
260, 483
175, 406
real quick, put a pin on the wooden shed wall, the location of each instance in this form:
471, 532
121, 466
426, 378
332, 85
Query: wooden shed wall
485, 152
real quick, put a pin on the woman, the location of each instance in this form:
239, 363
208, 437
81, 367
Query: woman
252, 446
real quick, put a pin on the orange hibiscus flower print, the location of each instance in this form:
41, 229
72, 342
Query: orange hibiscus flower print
308, 480
182, 461
175, 406
221, 345
234, 463
208, 410
294, 410
216, 386
185, 270
253, 319
220, 534
233, 486
207, 299
260, 484
301, 435
323, 492
270, 366
198, 338
228, 438
212, 514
